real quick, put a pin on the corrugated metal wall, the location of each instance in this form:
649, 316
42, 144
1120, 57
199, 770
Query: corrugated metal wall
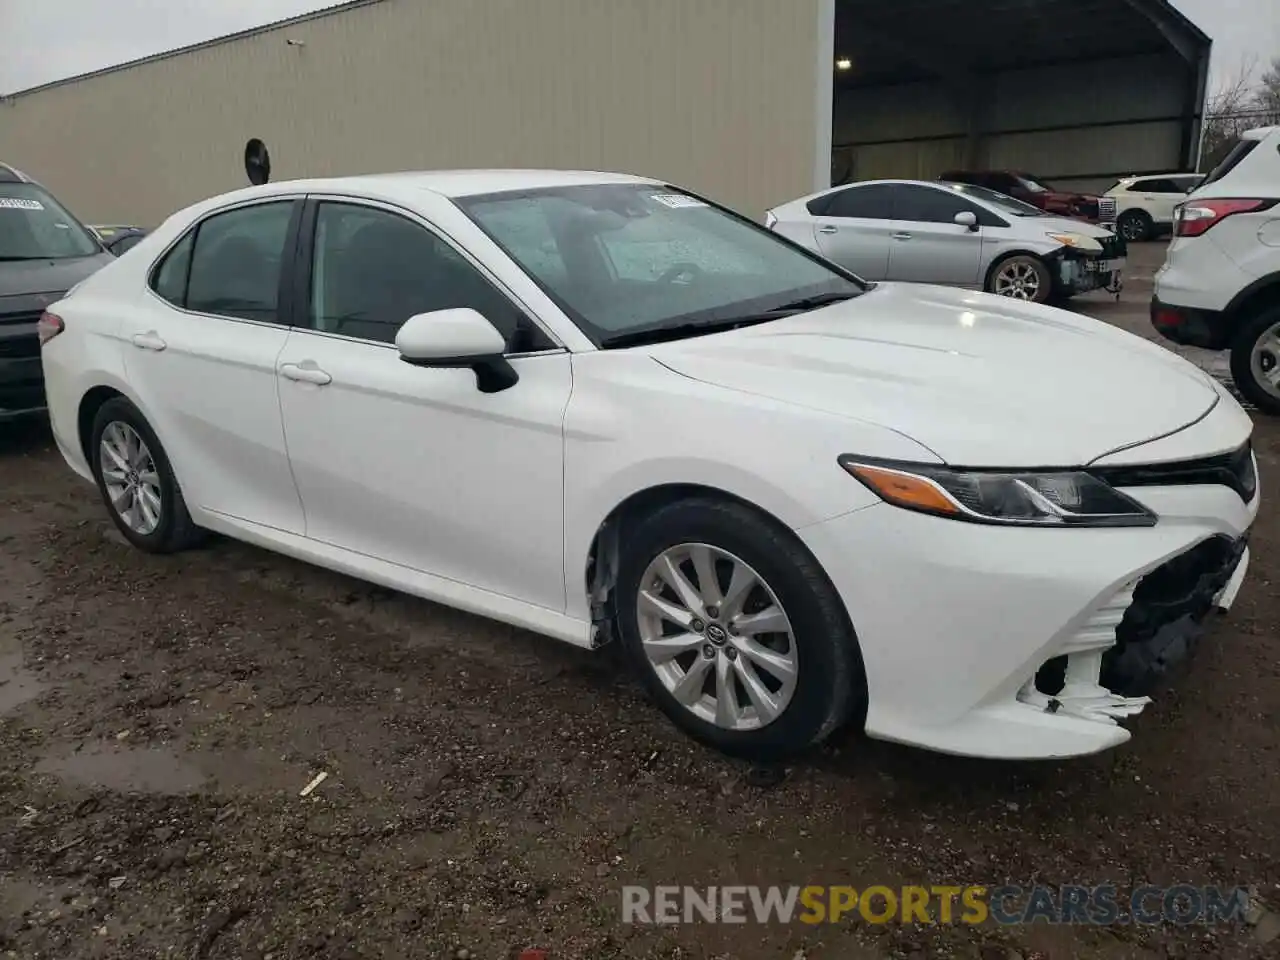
718, 95
1070, 124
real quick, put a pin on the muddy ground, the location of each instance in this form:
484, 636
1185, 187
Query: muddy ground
490, 791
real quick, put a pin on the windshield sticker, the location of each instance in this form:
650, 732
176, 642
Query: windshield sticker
677, 200
17, 203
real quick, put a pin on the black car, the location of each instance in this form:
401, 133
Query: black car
44, 252
117, 238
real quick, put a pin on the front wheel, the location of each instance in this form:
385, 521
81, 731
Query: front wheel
1135, 226
1255, 360
736, 631
1021, 277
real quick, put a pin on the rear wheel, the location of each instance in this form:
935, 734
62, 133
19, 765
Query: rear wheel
1021, 277
1135, 226
736, 631
1255, 360
137, 482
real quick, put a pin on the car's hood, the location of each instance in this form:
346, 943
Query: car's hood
979, 380
20, 279
1054, 224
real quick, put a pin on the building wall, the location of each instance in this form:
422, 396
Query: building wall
1073, 124
718, 95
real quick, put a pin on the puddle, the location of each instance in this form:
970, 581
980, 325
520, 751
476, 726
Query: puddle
146, 770
17, 685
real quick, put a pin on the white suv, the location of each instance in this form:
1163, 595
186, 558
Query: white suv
1145, 205
1220, 284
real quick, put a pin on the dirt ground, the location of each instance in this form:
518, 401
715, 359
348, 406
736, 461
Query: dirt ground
490, 791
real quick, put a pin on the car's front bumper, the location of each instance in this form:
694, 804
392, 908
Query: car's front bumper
963, 627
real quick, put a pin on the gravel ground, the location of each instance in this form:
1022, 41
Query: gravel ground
490, 791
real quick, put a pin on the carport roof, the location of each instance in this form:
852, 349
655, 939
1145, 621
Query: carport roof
924, 39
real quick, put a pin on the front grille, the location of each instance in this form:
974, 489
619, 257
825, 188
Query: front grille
1166, 617
1113, 246
1234, 470
16, 319
20, 348
1107, 209
23, 346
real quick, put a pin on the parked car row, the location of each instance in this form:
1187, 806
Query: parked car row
955, 234
602, 407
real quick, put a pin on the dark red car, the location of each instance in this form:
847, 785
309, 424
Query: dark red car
1033, 190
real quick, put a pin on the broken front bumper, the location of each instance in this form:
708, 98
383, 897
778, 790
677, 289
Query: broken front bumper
1004, 642
1151, 625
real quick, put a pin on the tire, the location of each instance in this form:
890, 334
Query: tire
119, 422
1135, 226
1255, 351
1022, 272
828, 685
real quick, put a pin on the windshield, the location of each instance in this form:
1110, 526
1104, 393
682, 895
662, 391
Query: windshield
1005, 204
34, 226
622, 257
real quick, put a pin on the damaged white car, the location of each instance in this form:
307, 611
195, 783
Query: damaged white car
601, 407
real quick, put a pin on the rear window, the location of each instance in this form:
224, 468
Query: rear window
34, 226
1241, 150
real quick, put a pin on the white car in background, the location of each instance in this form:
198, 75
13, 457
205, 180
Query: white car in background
599, 406
1219, 287
1145, 205
955, 234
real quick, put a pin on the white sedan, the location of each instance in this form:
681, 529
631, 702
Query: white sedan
598, 406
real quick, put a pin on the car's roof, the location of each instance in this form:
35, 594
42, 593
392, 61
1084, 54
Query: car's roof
1260, 133
450, 183
10, 174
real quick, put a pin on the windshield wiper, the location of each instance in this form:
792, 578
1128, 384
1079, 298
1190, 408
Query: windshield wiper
24, 259
678, 331
813, 303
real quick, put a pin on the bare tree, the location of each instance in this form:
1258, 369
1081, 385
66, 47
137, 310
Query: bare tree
1228, 113
1268, 95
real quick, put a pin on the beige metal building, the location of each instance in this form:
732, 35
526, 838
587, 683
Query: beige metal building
743, 100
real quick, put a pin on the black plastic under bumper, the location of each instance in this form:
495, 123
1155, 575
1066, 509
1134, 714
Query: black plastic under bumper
1190, 326
1168, 615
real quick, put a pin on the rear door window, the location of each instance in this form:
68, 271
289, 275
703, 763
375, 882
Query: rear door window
1237, 153
871, 202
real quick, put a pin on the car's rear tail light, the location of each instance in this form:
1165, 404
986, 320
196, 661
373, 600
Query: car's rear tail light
1196, 217
49, 326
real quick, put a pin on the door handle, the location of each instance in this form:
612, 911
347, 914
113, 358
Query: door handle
305, 372
149, 341
827, 228
902, 236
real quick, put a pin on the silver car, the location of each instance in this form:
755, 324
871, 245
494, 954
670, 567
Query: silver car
954, 234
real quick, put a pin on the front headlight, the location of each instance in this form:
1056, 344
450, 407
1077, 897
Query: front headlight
1077, 241
1070, 498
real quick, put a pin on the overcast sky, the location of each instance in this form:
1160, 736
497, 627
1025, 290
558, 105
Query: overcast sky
49, 40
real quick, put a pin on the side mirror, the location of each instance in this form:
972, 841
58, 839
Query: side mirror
967, 219
459, 337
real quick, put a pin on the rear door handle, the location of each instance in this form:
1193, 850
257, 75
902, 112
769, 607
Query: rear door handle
305, 372
827, 228
902, 236
149, 341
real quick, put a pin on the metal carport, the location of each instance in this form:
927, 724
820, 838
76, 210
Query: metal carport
1079, 92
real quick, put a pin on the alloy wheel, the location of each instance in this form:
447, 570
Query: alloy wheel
1264, 360
130, 476
717, 637
1018, 279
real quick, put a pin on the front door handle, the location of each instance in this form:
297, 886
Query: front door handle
902, 236
305, 372
827, 228
149, 341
